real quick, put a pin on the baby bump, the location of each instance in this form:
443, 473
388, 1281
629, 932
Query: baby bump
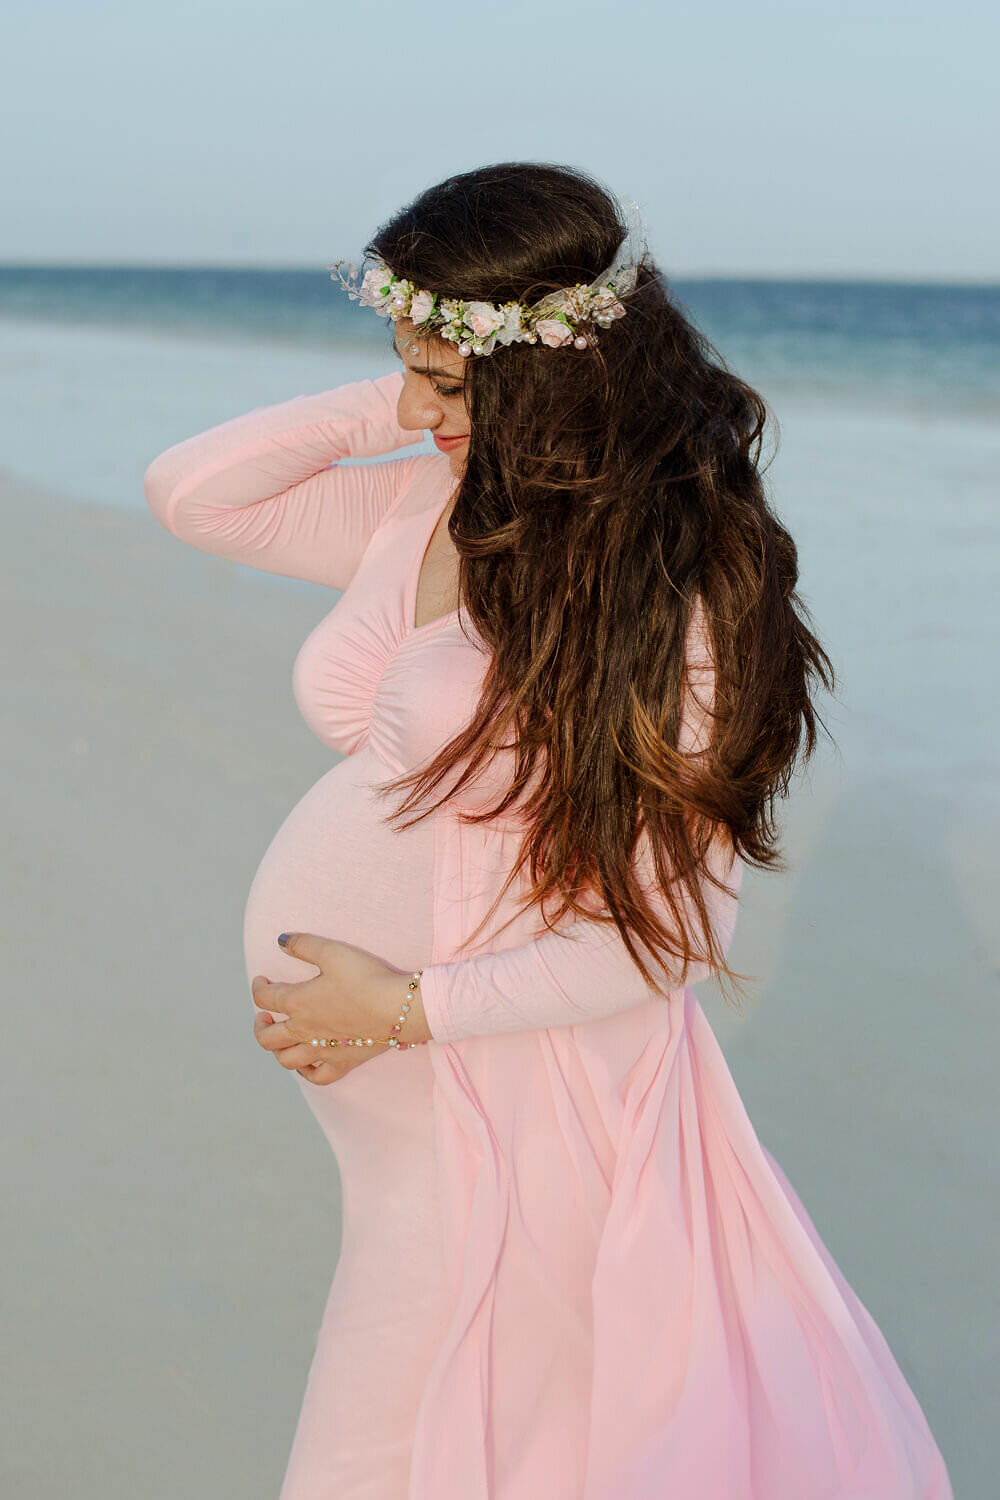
335, 867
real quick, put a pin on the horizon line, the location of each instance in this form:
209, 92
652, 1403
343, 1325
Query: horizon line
899, 278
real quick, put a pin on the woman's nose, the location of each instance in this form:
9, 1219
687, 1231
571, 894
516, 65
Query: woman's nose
416, 412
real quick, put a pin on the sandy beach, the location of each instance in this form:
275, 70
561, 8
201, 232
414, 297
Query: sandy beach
173, 1209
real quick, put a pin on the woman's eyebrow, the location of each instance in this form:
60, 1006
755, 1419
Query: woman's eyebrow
438, 374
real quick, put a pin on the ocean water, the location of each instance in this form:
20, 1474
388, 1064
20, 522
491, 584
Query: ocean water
884, 451
103, 367
920, 346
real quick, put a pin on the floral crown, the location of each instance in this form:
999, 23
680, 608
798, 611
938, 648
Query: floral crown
478, 327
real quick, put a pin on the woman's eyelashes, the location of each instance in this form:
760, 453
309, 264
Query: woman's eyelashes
451, 390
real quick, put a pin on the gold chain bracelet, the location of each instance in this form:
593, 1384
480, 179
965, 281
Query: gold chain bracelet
392, 1040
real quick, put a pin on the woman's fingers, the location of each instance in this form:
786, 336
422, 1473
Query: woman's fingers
278, 1036
328, 1072
298, 1056
292, 1052
343, 1061
274, 1034
319, 1073
319, 1065
273, 996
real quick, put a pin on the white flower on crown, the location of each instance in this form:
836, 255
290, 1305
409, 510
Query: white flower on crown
449, 313
421, 306
605, 307
575, 303
513, 329
377, 289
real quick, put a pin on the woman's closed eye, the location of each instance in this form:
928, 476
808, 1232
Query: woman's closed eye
450, 390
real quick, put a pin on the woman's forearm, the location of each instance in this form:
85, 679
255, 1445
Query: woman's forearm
268, 489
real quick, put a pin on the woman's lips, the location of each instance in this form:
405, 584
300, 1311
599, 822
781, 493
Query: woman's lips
449, 444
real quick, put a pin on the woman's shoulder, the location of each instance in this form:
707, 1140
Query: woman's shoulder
424, 481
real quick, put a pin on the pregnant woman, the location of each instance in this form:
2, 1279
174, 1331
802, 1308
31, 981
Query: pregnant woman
569, 676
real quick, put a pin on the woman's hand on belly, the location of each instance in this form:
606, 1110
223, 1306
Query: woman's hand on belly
353, 995
336, 1061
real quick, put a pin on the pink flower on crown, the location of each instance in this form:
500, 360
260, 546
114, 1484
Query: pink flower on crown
552, 332
421, 306
483, 318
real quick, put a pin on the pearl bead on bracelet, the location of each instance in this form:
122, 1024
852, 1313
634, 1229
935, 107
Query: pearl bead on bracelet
391, 1040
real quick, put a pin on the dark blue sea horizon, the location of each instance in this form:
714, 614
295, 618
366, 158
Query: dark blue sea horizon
927, 345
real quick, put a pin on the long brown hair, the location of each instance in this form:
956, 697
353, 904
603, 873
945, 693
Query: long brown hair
605, 492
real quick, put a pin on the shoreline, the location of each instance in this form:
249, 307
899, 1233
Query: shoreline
118, 395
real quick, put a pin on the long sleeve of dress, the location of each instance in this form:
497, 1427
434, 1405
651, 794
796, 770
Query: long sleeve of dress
259, 489
584, 972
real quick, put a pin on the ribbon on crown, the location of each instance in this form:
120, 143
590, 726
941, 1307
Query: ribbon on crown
480, 327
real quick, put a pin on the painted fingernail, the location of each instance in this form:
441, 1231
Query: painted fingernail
283, 937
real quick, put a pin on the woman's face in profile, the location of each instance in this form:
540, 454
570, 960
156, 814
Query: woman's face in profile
433, 394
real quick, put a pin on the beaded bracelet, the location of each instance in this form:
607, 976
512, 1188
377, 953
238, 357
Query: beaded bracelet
369, 1041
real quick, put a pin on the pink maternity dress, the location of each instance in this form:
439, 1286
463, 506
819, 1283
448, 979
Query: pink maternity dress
569, 1268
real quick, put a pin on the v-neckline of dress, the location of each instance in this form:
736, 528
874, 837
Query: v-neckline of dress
413, 580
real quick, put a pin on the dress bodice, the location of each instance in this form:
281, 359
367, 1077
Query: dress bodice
368, 675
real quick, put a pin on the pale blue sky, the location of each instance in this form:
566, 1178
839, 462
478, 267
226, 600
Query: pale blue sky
760, 138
